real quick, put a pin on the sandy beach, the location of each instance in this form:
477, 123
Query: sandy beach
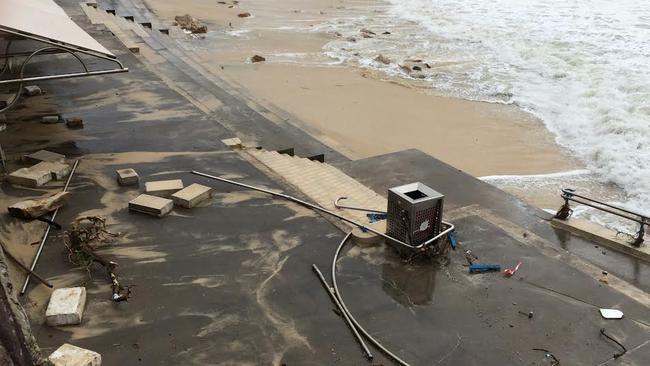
359, 112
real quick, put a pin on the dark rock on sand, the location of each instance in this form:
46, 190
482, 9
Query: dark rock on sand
257, 58
191, 24
244, 15
383, 59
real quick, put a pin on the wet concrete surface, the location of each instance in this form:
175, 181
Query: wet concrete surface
230, 282
460, 189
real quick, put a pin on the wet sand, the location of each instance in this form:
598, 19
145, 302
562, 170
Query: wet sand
358, 112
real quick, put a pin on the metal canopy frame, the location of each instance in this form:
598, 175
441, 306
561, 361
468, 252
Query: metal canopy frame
52, 47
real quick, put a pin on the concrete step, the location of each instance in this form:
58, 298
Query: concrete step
322, 183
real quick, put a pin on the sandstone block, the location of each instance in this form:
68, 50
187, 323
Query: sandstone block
233, 143
58, 170
51, 119
191, 195
66, 306
69, 355
43, 155
127, 177
163, 188
30, 178
151, 205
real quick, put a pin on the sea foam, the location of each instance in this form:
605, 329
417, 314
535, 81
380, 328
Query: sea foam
582, 67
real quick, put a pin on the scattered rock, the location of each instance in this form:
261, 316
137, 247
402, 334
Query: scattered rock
51, 119
257, 58
221, 2
127, 177
32, 90
351, 39
32, 209
338, 34
191, 24
69, 355
43, 155
163, 188
151, 205
405, 68
66, 306
383, 59
74, 122
29, 178
367, 31
244, 15
386, 32
417, 68
191, 195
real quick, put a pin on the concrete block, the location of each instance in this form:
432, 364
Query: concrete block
151, 205
51, 119
66, 306
233, 143
32, 90
58, 170
127, 177
163, 188
43, 155
74, 122
69, 355
29, 178
191, 195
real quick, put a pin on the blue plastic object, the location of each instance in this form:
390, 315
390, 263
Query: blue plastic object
452, 239
484, 267
374, 217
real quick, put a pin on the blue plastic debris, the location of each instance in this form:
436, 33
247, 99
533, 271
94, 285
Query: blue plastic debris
374, 217
452, 239
484, 267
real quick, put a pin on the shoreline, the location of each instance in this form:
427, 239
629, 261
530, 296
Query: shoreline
339, 104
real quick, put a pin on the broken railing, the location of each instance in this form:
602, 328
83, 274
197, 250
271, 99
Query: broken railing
569, 195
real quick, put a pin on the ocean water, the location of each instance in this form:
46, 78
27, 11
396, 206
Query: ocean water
581, 66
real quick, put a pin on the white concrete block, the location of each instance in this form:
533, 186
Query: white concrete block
127, 177
191, 195
234, 143
66, 306
58, 170
163, 188
51, 119
69, 355
43, 155
151, 205
29, 178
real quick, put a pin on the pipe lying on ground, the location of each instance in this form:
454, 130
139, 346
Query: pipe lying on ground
47, 232
349, 315
345, 314
24, 267
450, 227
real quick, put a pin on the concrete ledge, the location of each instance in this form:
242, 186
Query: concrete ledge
603, 236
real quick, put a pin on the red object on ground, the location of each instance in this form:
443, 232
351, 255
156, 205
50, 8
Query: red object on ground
508, 272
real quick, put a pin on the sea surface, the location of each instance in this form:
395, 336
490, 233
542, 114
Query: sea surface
581, 66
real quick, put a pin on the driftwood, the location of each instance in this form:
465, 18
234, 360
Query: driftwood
24, 267
33, 209
87, 234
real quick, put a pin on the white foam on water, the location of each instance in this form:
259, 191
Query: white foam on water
581, 66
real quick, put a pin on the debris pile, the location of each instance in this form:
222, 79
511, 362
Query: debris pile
190, 24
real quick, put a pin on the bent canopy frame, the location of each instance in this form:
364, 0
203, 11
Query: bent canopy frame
49, 26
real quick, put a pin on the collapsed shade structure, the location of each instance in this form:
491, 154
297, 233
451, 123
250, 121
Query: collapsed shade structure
31, 28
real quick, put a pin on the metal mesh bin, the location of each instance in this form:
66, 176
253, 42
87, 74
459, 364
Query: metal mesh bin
414, 213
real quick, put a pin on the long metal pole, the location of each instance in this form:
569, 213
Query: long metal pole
47, 231
62, 76
346, 311
322, 209
345, 315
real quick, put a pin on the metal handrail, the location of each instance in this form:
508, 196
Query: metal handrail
569, 195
